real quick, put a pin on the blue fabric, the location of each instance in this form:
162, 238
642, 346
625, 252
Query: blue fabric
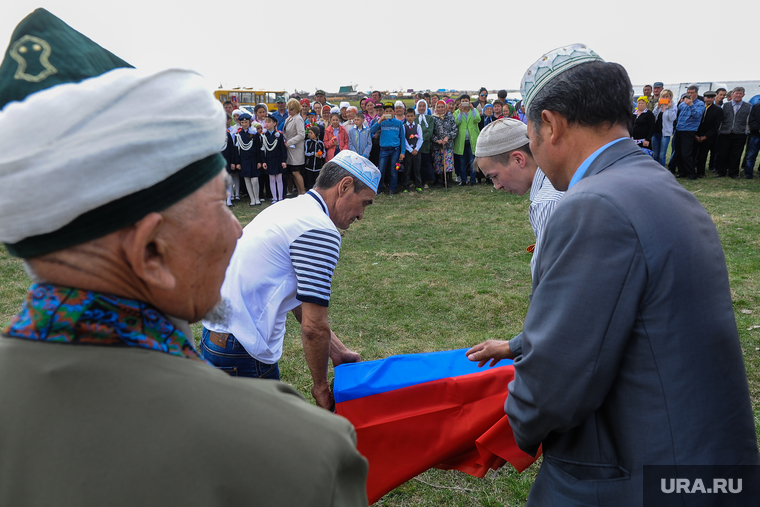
391, 133
586, 163
357, 380
280, 119
388, 156
753, 146
689, 117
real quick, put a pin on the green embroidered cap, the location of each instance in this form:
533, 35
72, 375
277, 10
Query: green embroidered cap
45, 52
160, 142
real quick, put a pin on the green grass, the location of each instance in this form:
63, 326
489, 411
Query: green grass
446, 270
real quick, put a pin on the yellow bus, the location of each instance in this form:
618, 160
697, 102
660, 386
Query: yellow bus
249, 96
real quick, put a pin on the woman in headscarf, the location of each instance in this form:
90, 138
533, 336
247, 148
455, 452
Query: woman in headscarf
427, 123
442, 143
450, 106
643, 125
510, 111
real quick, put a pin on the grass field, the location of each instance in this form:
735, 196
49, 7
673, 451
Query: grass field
448, 269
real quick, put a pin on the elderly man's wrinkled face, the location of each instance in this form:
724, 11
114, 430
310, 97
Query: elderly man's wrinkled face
202, 235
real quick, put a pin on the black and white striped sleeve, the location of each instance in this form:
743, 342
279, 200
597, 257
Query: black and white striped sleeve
314, 255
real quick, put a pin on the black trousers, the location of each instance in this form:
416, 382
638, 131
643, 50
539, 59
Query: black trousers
705, 147
731, 147
412, 166
687, 154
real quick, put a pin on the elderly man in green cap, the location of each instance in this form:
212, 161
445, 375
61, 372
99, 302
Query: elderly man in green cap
104, 399
629, 355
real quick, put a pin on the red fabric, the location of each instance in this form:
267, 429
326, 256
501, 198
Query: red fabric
453, 423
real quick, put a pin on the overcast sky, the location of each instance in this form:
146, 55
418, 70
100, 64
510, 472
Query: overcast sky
411, 44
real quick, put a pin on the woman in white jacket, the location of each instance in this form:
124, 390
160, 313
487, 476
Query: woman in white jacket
295, 136
669, 113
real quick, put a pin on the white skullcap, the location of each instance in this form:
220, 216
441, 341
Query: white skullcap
399, 103
344, 104
359, 166
100, 140
551, 65
501, 136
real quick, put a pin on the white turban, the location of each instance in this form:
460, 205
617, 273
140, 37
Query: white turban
99, 140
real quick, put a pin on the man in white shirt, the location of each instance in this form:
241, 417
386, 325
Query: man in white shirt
503, 154
284, 262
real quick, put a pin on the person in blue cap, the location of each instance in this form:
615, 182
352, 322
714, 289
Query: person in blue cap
295, 247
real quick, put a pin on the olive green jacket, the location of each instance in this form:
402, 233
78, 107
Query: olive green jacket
427, 132
84, 425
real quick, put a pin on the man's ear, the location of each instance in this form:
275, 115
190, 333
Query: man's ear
557, 125
146, 251
345, 185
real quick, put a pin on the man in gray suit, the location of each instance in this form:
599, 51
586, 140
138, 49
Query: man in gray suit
629, 354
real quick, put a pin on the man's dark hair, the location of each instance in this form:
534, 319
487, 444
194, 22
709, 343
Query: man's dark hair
410, 110
464, 96
426, 95
647, 85
591, 94
331, 174
693, 87
502, 94
227, 102
721, 90
378, 93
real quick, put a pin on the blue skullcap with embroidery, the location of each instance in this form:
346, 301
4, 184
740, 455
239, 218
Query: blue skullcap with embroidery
551, 65
360, 167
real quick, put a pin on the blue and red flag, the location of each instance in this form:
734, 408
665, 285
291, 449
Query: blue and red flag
418, 411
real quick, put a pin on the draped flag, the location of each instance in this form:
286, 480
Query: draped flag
418, 411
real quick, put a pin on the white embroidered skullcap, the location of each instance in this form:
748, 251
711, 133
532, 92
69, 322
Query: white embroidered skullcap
501, 136
551, 65
359, 166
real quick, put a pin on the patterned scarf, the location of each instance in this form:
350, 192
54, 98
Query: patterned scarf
79, 317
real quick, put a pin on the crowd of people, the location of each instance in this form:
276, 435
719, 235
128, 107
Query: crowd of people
718, 123
431, 144
629, 355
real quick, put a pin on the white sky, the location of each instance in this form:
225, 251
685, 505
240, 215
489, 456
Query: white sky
387, 45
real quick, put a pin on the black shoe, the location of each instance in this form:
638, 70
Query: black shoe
719, 176
734, 177
692, 177
472, 183
390, 193
462, 184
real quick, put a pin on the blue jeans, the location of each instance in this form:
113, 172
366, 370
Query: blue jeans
388, 156
753, 146
654, 145
661, 153
234, 360
463, 163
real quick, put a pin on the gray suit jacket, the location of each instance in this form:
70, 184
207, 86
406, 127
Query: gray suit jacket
630, 353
